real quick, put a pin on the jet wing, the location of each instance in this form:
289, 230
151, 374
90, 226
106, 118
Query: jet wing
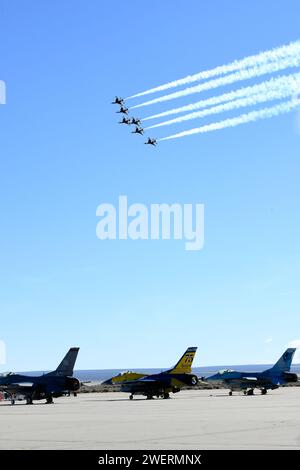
143, 384
27, 387
248, 381
261, 380
146, 380
17, 388
17, 385
251, 379
142, 381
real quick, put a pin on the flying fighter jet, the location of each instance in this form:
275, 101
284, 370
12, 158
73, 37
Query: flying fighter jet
125, 121
48, 386
136, 121
269, 379
162, 384
118, 100
151, 142
123, 110
138, 130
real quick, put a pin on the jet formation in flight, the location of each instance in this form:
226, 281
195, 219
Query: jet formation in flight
132, 121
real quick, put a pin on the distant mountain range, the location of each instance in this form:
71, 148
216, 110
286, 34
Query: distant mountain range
98, 375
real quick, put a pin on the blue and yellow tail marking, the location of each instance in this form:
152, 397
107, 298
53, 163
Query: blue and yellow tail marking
184, 365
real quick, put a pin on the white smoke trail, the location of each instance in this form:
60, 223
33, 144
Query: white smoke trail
293, 61
285, 87
264, 113
262, 58
232, 95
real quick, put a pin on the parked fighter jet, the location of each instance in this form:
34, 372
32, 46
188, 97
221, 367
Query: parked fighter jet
125, 121
118, 100
160, 385
136, 121
271, 378
138, 130
48, 386
151, 142
123, 110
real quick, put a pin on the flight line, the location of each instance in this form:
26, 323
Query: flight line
61, 382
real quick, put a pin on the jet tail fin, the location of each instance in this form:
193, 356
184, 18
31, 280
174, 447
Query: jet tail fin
66, 366
184, 365
285, 361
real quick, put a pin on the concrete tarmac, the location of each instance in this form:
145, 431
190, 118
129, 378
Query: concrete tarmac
192, 419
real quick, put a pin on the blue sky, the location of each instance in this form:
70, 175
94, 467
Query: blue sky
141, 303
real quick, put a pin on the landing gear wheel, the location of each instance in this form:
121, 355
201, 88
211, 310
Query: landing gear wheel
49, 401
230, 393
166, 396
264, 391
130, 397
250, 392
